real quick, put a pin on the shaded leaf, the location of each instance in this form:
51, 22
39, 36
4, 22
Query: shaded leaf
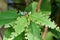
20, 37
7, 17
8, 32
45, 5
31, 7
55, 33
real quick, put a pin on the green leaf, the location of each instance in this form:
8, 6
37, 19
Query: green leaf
5, 38
45, 5
8, 32
19, 27
55, 33
46, 13
20, 37
49, 36
46, 8
7, 17
41, 19
21, 23
33, 32
31, 7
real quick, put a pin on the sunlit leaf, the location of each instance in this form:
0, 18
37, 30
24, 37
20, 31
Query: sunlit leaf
43, 20
33, 32
20, 24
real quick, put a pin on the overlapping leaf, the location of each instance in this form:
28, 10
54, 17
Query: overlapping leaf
31, 7
20, 37
19, 27
49, 36
55, 33
7, 17
8, 32
45, 5
33, 32
41, 19
20, 24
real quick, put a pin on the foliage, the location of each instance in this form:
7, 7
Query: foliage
7, 17
33, 30
29, 26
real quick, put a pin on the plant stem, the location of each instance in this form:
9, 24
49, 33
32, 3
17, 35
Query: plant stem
46, 28
44, 33
26, 2
38, 6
